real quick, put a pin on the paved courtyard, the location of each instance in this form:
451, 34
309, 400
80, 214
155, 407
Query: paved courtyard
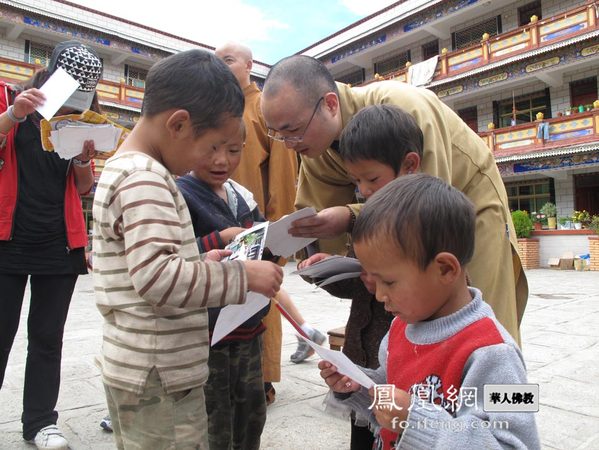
560, 340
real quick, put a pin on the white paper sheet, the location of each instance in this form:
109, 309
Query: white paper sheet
68, 140
231, 316
342, 362
59, 87
280, 242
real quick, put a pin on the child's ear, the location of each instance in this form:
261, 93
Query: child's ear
410, 164
448, 267
178, 123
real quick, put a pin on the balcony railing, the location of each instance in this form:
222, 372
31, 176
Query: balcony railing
108, 91
536, 34
576, 129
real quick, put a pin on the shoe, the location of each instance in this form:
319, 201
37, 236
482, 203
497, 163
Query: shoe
106, 424
303, 350
269, 391
50, 438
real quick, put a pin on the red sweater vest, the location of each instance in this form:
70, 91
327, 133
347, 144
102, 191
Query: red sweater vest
439, 365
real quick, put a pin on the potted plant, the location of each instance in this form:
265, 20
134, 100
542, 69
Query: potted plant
580, 219
527, 247
550, 211
537, 220
564, 222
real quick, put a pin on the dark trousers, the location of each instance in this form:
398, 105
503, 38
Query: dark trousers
361, 437
50, 299
235, 400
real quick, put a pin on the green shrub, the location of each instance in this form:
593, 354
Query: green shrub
522, 223
594, 225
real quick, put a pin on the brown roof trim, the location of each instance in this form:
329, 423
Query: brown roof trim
164, 33
358, 22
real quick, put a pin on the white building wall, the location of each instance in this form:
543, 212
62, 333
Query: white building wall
13, 49
556, 246
550, 8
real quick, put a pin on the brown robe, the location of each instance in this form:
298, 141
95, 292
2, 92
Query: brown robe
268, 169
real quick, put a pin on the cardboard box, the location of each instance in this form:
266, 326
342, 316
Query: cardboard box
553, 263
566, 262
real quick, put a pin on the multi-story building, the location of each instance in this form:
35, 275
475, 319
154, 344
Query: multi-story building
501, 65
498, 64
29, 30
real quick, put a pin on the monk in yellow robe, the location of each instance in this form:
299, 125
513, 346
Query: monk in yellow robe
303, 105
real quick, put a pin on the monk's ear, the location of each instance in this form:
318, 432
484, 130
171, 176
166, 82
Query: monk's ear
331, 102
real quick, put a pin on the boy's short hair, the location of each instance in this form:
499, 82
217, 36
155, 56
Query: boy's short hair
423, 215
198, 82
384, 133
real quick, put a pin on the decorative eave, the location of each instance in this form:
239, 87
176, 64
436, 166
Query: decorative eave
120, 106
185, 44
513, 59
378, 20
564, 151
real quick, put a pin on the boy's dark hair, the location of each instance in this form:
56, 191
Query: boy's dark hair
198, 82
383, 133
423, 215
305, 74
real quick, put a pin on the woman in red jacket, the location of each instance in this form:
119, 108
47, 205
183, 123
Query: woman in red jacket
42, 233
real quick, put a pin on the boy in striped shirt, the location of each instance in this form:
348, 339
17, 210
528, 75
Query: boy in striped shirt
152, 286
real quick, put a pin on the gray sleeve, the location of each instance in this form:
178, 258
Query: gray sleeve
473, 428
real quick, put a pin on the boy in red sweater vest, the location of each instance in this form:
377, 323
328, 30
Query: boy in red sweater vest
413, 238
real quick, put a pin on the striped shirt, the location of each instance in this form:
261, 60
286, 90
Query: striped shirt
150, 282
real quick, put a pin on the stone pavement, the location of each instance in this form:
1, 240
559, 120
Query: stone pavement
560, 339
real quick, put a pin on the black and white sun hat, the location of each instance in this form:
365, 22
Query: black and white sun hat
84, 65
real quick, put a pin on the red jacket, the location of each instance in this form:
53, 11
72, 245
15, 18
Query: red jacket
73, 212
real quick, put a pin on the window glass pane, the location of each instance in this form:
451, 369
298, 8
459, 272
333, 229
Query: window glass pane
542, 188
525, 205
136, 77
529, 195
39, 54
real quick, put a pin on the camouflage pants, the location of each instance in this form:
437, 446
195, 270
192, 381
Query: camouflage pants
156, 420
235, 399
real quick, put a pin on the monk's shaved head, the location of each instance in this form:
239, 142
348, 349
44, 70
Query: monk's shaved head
236, 48
306, 75
239, 59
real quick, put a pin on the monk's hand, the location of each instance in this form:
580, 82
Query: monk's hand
328, 223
